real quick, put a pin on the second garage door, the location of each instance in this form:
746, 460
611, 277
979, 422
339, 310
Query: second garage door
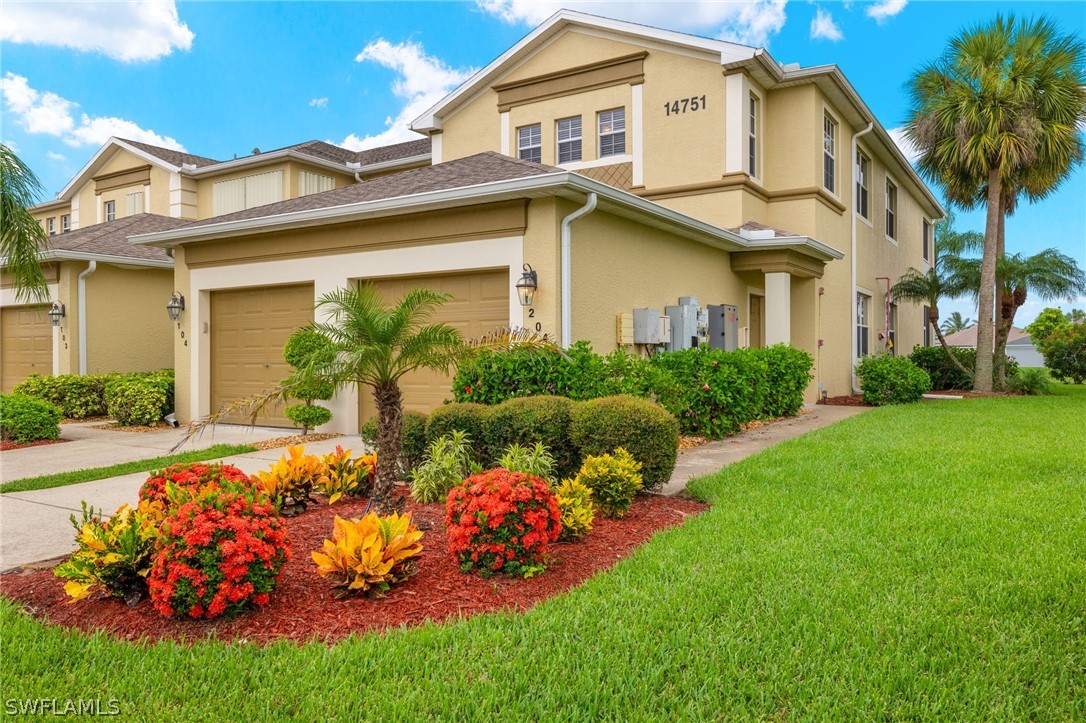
480, 304
248, 330
26, 344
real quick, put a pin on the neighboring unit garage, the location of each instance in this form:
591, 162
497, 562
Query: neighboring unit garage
480, 304
26, 344
248, 330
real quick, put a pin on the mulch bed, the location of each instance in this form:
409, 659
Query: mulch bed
113, 427
304, 607
84, 420
851, 400
6, 445
294, 440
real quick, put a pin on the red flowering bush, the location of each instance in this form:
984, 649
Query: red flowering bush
190, 477
219, 551
502, 521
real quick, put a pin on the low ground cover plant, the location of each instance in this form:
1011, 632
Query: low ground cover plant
448, 461
291, 480
346, 476
370, 554
26, 419
614, 480
578, 510
888, 379
1032, 382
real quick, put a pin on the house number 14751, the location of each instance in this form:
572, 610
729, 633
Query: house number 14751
683, 105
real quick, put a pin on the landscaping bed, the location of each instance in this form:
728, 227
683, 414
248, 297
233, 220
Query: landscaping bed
304, 606
277, 442
6, 445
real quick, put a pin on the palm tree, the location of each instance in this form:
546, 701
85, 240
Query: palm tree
995, 117
955, 323
22, 239
929, 288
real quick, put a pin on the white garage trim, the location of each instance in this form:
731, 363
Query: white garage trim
7, 298
327, 273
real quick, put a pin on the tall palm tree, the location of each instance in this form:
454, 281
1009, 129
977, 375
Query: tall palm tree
995, 117
22, 239
955, 323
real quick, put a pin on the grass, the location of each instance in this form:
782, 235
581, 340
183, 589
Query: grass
922, 562
60, 479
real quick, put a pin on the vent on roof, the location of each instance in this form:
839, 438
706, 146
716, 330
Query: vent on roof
791, 66
757, 234
256, 151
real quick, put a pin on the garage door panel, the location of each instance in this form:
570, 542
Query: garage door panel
248, 330
26, 346
480, 304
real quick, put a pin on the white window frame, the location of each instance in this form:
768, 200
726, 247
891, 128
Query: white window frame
831, 153
754, 121
617, 130
863, 324
570, 139
892, 331
530, 148
109, 210
892, 216
51, 225
863, 185
926, 235
65, 223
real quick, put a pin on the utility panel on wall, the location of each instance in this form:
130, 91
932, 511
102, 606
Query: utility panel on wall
723, 326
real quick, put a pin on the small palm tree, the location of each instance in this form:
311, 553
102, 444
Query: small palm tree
955, 323
22, 239
929, 288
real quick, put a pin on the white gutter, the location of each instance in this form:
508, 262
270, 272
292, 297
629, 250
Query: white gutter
92, 266
65, 255
567, 273
852, 257
395, 163
262, 159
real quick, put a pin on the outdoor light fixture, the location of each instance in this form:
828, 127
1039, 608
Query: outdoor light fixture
527, 285
56, 313
176, 306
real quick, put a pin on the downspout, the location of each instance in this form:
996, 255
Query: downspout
567, 273
852, 258
81, 302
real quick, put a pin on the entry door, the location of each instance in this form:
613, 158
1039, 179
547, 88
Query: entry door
26, 344
757, 321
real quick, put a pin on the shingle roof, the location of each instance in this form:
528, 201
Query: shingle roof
394, 152
968, 337
176, 158
111, 238
470, 171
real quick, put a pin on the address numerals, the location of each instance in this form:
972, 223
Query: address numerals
685, 105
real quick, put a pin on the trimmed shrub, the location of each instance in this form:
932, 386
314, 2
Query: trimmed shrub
303, 348
788, 372
191, 478
447, 464
1032, 382
463, 417
536, 461
368, 555
942, 372
1064, 351
544, 419
77, 396
502, 521
712, 393
136, 401
26, 419
649, 432
219, 553
578, 511
614, 480
308, 416
888, 379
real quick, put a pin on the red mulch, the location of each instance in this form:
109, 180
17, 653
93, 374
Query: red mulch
6, 445
851, 400
304, 608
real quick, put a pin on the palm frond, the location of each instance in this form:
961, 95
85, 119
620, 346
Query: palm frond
22, 239
250, 407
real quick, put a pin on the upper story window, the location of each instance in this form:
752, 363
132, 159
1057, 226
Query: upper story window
891, 210
752, 137
829, 154
569, 140
51, 226
927, 240
612, 132
863, 181
530, 143
65, 223
863, 311
111, 210
133, 203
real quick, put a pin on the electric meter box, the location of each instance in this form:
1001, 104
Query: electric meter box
685, 333
647, 327
723, 327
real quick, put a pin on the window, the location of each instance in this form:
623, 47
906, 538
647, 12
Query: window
133, 203
111, 210
238, 194
863, 178
530, 143
829, 154
891, 210
752, 137
863, 311
569, 140
310, 183
51, 226
65, 223
892, 331
927, 240
612, 132
927, 326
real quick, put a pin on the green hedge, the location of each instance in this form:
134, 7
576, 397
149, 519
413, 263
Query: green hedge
944, 374
647, 431
25, 419
135, 400
546, 419
81, 396
888, 379
1064, 351
461, 417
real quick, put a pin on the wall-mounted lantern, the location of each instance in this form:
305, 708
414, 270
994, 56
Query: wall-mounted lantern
527, 285
175, 306
56, 313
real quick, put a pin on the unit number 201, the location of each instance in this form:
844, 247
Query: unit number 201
683, 105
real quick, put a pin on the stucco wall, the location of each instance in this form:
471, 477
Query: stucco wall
127, 326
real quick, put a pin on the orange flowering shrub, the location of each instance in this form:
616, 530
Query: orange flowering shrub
190, 477
502, 521
220, 551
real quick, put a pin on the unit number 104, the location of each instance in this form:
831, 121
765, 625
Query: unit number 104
676, 107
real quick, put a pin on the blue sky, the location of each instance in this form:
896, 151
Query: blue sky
220, 79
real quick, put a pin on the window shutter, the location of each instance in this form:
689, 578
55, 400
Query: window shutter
133, 203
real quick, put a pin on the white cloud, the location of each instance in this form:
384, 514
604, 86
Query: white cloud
883, 10
321, 103
47, 113
909, 150
54, 156
12, 146
129, 31
822, 26
749, 22
421, 80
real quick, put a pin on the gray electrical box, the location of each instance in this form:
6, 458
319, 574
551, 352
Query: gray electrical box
646, 327
684, 323
723, 327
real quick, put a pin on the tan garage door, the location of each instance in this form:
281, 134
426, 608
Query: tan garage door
248, 330
480, 304
27, 344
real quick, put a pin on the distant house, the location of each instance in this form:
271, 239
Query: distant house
1019, 345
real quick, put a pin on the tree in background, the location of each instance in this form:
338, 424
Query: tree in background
955, 323
22, 239
1047, 322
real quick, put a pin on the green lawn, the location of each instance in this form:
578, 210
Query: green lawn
60, 479
926, 562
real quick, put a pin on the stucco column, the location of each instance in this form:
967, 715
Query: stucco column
778, 308
344, 404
